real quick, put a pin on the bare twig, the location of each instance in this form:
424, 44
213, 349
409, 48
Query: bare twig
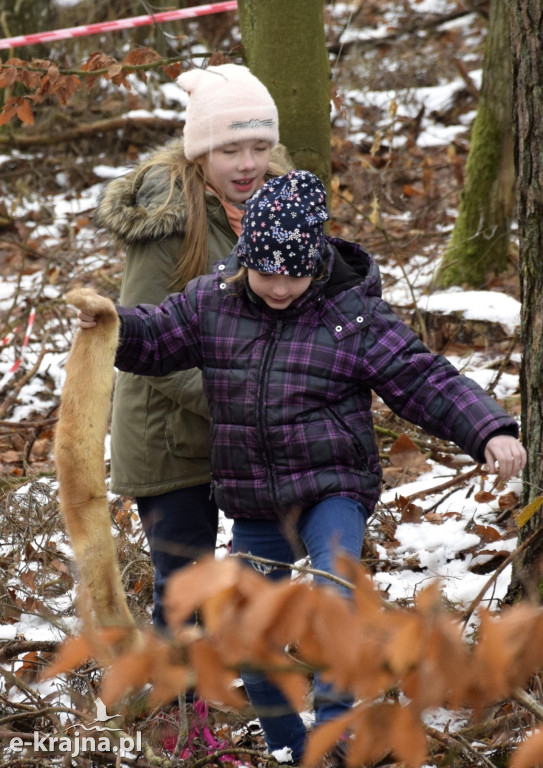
453, 739
508, 560
294, 567
10, 399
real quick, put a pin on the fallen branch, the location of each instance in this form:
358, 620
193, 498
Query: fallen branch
89, 129
14, 647
458, 480
528, 702
452, 740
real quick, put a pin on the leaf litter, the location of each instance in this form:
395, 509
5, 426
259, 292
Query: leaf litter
420, 665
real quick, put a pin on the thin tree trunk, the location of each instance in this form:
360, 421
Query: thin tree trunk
527, 54
284, 45
479, 245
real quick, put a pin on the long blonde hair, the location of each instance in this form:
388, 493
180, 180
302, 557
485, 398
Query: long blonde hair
190, 175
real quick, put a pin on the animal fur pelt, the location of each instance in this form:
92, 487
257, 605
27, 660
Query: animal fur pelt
79, 457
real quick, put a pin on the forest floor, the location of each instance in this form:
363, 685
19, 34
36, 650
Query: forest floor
394, 193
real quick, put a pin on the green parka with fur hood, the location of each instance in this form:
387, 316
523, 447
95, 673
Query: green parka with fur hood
160, 426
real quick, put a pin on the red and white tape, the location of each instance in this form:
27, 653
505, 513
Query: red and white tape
17, 364
113, 26
8, 337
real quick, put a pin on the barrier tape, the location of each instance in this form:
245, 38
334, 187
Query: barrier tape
112, 26
16, 365
6, 340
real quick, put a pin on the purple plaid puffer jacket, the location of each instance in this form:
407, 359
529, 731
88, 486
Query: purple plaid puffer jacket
290, 391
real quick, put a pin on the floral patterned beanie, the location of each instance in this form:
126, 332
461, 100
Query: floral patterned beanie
282, 229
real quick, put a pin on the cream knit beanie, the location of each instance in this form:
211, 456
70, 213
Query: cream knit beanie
227, 103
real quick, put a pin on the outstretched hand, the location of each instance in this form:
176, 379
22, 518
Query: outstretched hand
505, 456
85, 320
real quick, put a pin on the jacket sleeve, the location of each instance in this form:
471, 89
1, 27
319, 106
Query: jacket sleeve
427, 390
156, 340
147, 279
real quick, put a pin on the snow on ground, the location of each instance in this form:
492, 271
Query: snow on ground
427, 541
442, 550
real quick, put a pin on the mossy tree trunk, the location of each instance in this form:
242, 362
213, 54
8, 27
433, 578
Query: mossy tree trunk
285, 47
527, 57
479, 245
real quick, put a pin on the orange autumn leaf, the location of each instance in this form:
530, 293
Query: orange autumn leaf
405, 454
215, 683
530, 753
24, 111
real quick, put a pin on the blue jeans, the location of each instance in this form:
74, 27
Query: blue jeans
180, 527
333, 525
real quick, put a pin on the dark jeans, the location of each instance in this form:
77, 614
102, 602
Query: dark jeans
335, 524
180, 527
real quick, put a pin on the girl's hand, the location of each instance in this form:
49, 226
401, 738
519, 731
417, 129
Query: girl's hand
85, 320
505, 456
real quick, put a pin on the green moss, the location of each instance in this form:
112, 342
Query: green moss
479, 244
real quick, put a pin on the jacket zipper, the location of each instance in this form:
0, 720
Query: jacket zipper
362, 453
261, 407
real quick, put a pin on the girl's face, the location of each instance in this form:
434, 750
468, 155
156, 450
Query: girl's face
278, 291
236, 170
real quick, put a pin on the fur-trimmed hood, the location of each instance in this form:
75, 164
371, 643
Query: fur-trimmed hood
131, 207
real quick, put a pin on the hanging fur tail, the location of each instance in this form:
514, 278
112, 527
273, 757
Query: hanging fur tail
79, 457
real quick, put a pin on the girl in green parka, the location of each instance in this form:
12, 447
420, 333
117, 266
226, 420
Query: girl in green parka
177, 214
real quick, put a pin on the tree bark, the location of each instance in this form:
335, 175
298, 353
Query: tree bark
24, 17
479, 245
527, 78
285, 47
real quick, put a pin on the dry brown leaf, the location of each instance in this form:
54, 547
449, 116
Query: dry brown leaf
190, 588
338, 630
28, 578
405, 454
24, 111
323, 738
294, 685
484, 497
30, 667
73, 652
141, 55
410, 191
530, 753
10, 457
488, 532
506, 655
507, 500
128, 673
372, 733
278, 616
169, 681
408, 737
215, 683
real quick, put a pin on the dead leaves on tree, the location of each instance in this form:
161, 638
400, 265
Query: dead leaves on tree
397, 663
43, 79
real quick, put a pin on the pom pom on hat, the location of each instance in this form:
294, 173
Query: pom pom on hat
227, 103
282, 230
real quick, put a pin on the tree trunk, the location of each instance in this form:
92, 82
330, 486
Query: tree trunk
23, 18
479, 245
285, 47
527, 54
